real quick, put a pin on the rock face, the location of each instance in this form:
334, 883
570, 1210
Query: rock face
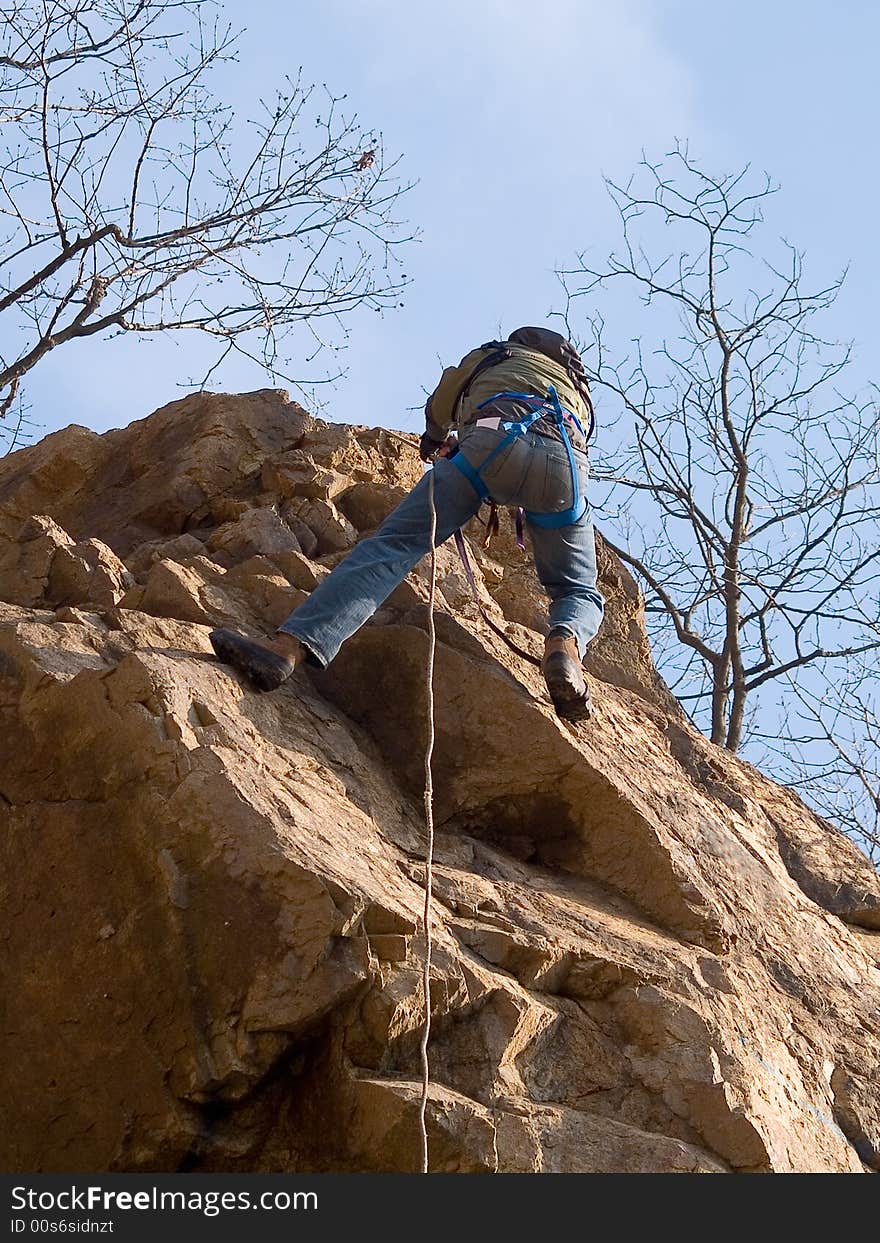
647, 957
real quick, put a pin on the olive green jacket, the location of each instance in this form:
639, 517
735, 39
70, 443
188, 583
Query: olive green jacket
454, 402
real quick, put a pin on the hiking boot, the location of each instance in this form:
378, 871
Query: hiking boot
564, 675
266, 665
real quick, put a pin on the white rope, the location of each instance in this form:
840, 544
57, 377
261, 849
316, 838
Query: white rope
429, 824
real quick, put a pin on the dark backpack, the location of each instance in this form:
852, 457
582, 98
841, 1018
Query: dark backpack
545, 341
561, 350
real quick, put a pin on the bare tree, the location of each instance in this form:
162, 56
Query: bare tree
133, 199
757, 537
827, 745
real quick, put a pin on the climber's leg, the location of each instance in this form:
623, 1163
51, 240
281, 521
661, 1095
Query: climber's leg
366, 577
565, 558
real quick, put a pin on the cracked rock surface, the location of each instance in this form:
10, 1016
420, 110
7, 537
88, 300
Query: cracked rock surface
647, 956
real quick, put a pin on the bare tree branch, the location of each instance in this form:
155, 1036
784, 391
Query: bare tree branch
753, 517
136, 201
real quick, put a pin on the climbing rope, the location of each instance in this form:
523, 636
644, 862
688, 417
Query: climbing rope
429, 825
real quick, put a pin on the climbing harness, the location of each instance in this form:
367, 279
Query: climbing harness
429, 826
539, 408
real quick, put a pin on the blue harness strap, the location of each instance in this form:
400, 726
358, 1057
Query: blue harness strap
539, 408
578, 503
471, 473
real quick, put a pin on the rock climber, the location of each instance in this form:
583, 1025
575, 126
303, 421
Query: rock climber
522, 413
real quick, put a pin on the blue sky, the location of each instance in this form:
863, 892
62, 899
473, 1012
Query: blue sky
507, 115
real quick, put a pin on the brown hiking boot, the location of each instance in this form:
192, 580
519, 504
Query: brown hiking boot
266, 665
564, 675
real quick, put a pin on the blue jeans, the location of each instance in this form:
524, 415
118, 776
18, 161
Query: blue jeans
565, 559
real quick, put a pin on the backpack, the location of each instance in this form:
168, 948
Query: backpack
561, 350
545, 341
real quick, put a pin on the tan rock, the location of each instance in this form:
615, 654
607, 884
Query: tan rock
87, 573
308, 540
647, 957
297, 475
43, 565
258, 532
56, 470
151, 551
120, 488
26, 560
547, 1140
368, 504
175, 590
299, 570
332, 530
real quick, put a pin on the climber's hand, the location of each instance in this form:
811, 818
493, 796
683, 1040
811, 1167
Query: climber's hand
429, 448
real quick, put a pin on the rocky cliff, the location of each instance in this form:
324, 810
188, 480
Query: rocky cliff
647, 956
